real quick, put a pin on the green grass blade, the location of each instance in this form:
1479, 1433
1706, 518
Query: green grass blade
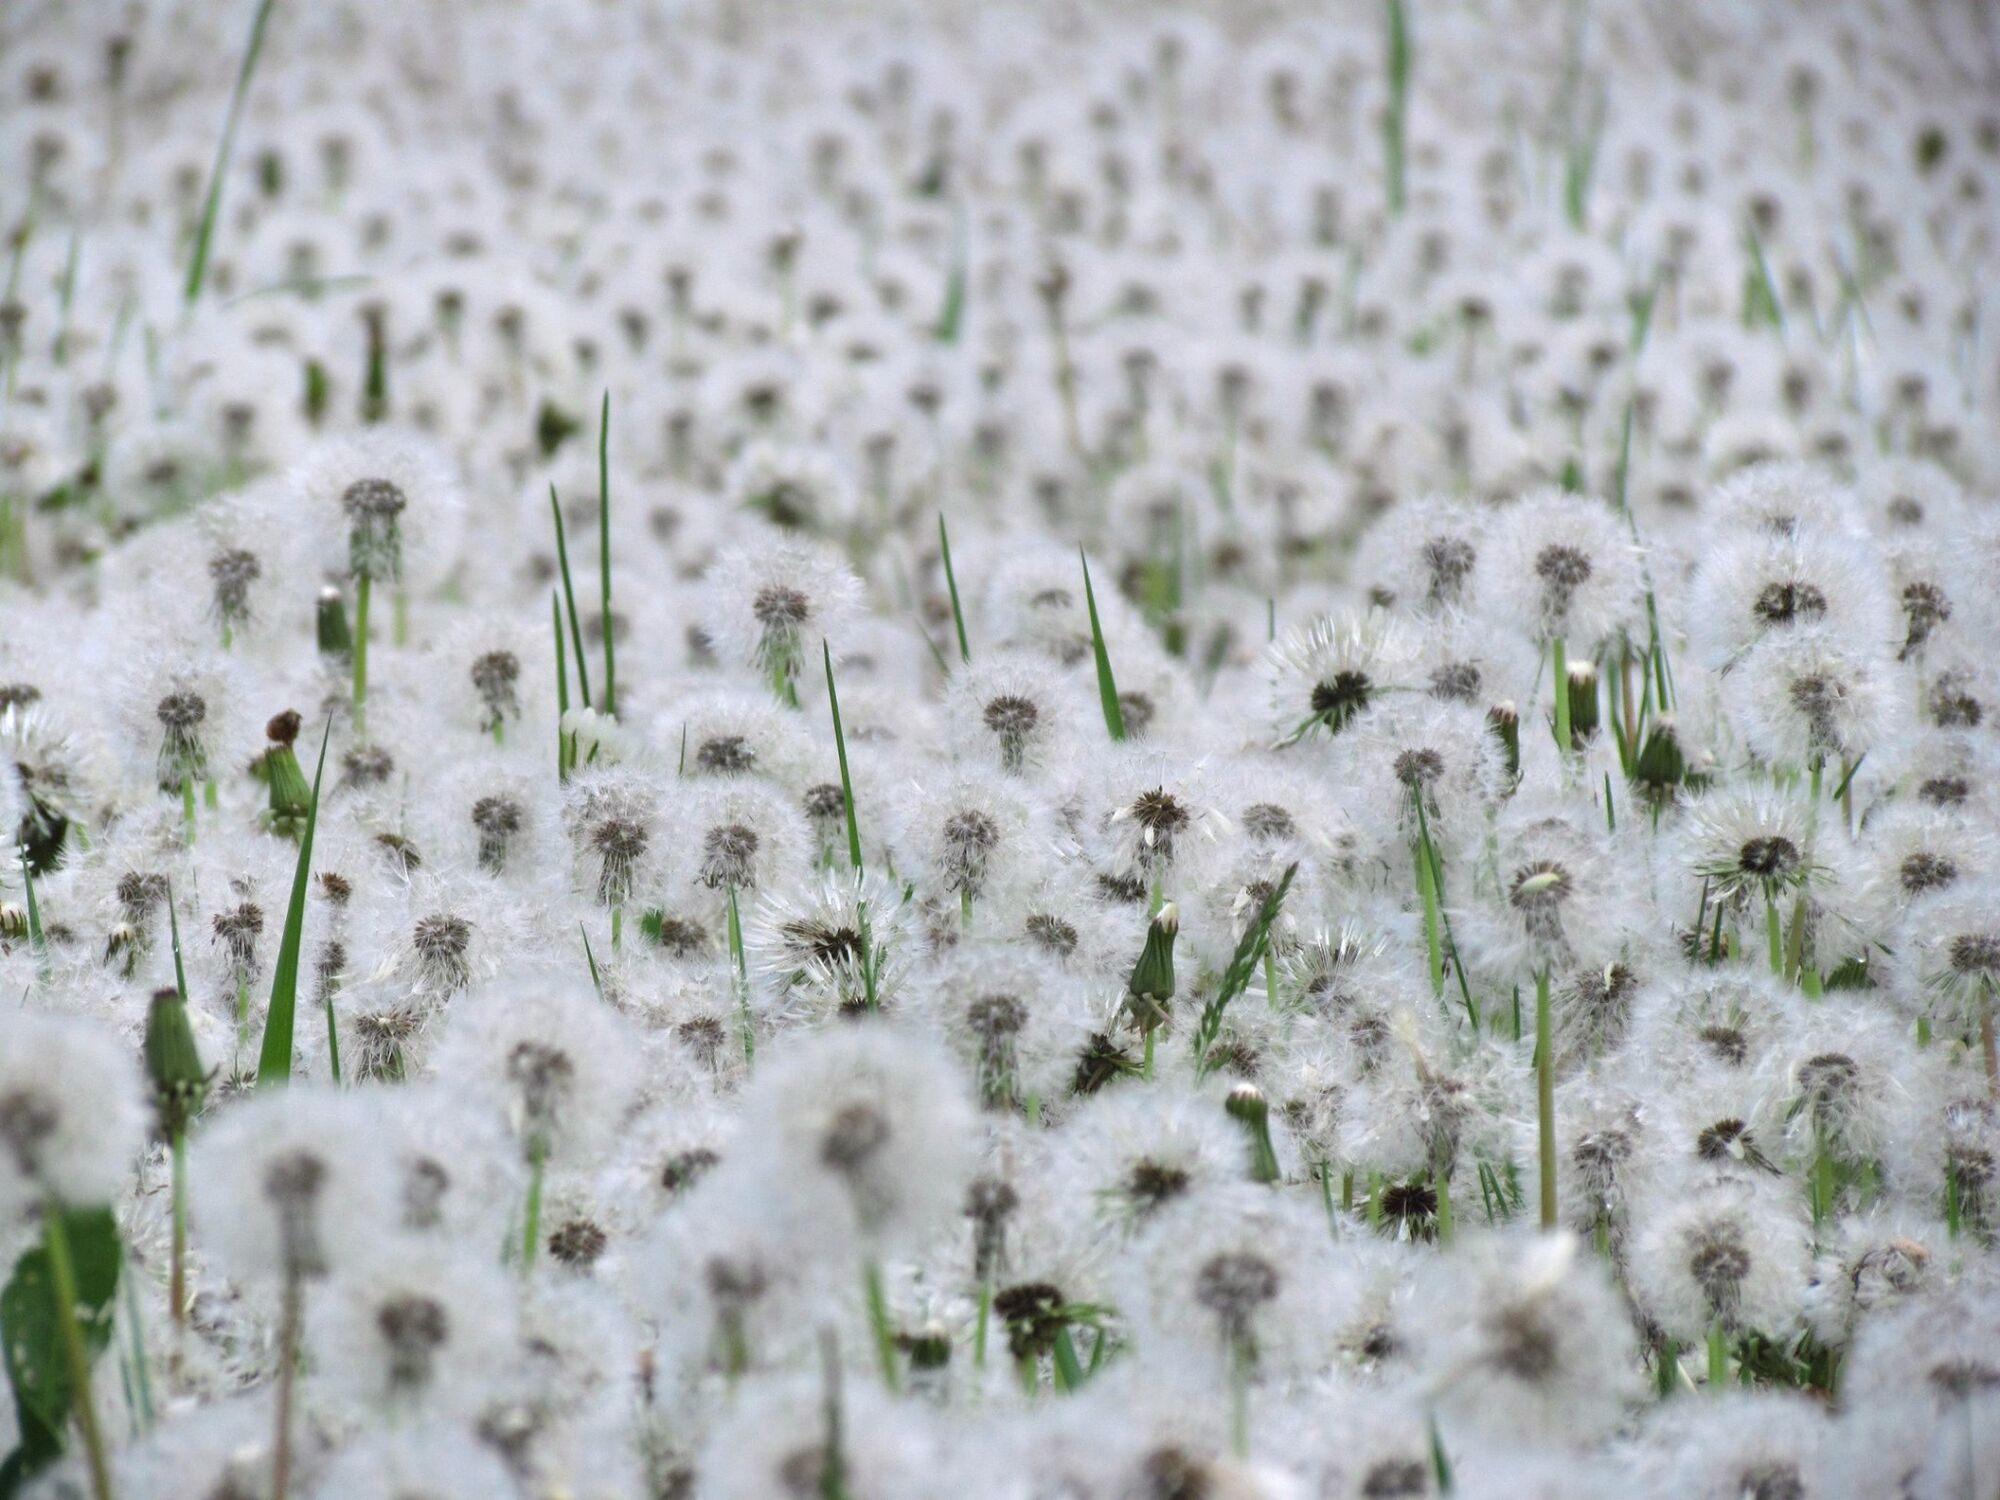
211, 207
604, 552
1395, 124
951, 583
840, 746
274, 1062
174, 926
37, 943
569, 599
1242, 968
951, 317
1107, 685
562, 687
1848, 780
596, 980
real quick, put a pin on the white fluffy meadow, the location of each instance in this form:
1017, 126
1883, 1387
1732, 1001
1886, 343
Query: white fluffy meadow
1068, 753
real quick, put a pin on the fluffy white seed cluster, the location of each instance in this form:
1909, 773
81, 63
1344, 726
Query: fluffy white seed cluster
1401, 893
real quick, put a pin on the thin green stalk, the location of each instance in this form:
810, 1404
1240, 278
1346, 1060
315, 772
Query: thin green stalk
531, 1218
840, 749
1773, 931
1395, 124
740, 974
187, 810
212, 206
979, 1330
62, 1274
604, 553
1823, 1182
569, 600
1545, 1097
1240, 1361
878, 1321
562, 694
364, 587
951, 584
596, 981
1560, 652
288, 1369
177, 1279
38, 942
332, 1030
1718, 1355
1427, 891
1441, 1181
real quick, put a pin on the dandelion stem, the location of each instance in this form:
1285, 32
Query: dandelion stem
187, 808
1822, 1182
1441, 1181
1559, 650
833, 1466
531, 1227
1773, 930
1545, 1098
1987, 1044
740, 975
177, 1278
288, 1369
878, 1320
1718, 1355
62, 1275
363, 589
979, 1329
1239, 1395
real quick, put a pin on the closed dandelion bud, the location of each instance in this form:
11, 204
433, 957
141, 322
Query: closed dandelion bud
1661, 764
1503, 721
930, 1349
172, 1065
335, 638
291, 796
1582, 703
1152, 983
1246, 1104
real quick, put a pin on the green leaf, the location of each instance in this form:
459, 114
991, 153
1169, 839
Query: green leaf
604, 552
36, 1363
840, 746
951, 583
569, 599
1107, 685
274, 1063
174, 926
212, 206
37, 943
596, 979
1242, 967
562, 689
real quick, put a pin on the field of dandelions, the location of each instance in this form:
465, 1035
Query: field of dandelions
1041, 752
